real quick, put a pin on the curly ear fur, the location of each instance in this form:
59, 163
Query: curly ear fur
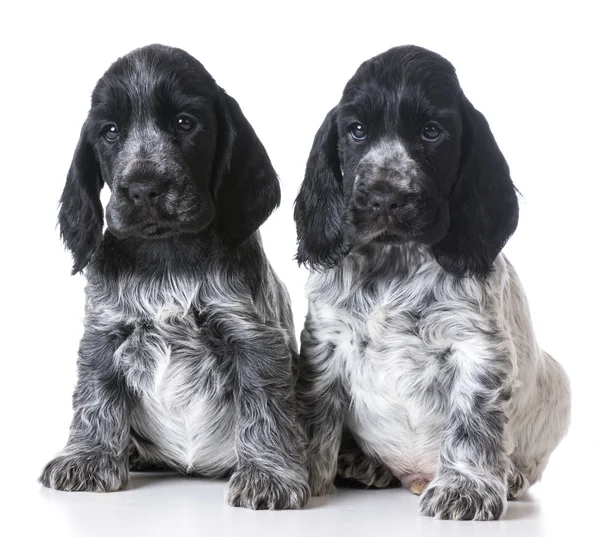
246, 185
484, 210
80, 215
319, 206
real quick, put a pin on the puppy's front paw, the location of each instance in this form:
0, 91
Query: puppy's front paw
355, 468
267, 489
455, 496
89, 472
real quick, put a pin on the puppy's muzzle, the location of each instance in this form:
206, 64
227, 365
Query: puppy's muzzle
395, 206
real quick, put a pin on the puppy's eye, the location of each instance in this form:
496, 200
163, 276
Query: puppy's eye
185, 123
111, 132
357, 131
431, 132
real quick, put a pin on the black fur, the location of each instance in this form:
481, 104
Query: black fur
216, 178
81, 216
462, 202
318, 210
246, 186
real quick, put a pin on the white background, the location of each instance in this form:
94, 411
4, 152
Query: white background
530, 68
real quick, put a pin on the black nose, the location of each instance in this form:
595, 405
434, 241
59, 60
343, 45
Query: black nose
385, 202
146, 193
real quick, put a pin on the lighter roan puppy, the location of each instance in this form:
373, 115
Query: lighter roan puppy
418, 359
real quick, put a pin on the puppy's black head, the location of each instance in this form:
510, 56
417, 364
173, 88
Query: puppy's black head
406, 157
176, 152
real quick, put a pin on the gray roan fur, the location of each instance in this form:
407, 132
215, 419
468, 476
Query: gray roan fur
188, 352
418, 359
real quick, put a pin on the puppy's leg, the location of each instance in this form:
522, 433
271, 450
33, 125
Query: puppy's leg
540, 424
323, 403
271, 472
471, 479
95, 458
356, 469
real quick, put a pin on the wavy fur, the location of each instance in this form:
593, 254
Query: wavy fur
418, 345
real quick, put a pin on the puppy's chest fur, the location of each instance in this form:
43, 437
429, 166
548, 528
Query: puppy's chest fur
392, 345
182, 412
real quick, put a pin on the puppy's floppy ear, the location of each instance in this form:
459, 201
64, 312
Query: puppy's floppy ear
319, 206
484, 210
245, 183
80, 216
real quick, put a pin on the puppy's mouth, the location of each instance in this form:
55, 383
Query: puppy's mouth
185, 218
424, 226
389, 237
160, 229
154, 230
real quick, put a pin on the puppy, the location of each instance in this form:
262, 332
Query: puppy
187, 354
418, 348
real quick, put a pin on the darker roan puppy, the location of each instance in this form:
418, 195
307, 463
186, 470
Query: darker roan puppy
418, 355
187, 355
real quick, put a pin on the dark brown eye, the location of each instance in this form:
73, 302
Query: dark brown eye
357, 131
185, 124
111, 132
431, 132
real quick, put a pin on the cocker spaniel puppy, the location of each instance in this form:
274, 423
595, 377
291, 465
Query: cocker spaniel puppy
187, 356
418, 357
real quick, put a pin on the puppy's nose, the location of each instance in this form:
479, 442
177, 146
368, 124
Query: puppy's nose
146, 193
385, 202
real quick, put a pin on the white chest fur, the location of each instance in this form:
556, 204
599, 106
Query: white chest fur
387, 368
182, 413
395, 347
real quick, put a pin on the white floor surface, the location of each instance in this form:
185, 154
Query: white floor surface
565, 503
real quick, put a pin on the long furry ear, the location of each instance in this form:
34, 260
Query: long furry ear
319, 206
245, 183
484, 210
80, 216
